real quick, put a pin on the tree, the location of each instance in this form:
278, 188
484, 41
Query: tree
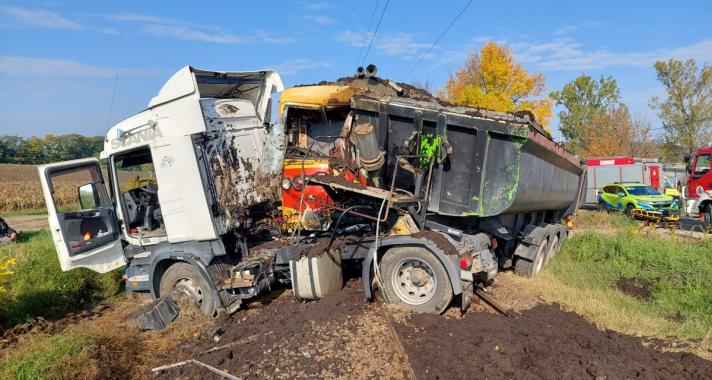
50, 148
687, 111
492, 80
613, 132
583, 99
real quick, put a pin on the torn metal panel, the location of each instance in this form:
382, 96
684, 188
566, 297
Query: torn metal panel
235, 144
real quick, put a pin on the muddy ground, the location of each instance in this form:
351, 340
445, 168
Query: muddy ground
343, 336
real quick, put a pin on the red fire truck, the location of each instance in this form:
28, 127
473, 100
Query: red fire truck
698, 191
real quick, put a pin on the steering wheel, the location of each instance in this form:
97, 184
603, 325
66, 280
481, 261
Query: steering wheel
144, 184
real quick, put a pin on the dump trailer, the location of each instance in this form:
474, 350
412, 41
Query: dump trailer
206, 198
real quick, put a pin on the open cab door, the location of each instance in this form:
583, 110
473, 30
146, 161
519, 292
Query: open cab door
81, 216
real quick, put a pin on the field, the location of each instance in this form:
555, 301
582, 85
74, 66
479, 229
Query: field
21, 191
20, 188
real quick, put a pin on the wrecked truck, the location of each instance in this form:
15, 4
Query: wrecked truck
205, 197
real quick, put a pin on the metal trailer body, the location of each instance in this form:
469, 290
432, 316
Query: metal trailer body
604, 171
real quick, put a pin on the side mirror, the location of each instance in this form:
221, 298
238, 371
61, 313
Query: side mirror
88, 197
621, 194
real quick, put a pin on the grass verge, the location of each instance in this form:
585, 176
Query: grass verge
73, 354
25, 211
603, 220
634, 284
39, 288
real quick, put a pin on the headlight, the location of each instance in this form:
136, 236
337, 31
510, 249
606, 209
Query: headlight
298, 183
286, 183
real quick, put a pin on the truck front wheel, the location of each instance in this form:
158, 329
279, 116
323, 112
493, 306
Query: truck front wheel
708, 215
183, 281
414, 278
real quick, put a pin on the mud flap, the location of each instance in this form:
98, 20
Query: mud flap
159, 314
467, 292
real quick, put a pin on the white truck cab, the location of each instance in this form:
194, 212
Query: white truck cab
158, 185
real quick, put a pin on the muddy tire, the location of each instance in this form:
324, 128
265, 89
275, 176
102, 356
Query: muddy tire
415, 279
529, 268
183, 281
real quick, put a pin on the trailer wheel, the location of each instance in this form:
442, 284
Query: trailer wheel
183, 281
553, 247
529, 268
414, 278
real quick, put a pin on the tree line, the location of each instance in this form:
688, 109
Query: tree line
593, 120
50, 148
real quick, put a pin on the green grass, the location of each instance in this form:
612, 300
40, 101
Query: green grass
583, 278
602, 219
26, 211
38, 287
48, 358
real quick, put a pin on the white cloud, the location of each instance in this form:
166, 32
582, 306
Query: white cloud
40, 18
565, 30
297, 65
569, 54
319, 19
316, 6
52, 67
169, 27
401, 44
186, 33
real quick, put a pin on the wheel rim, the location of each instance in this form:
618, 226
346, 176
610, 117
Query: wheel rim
414, 281
540, 256
553, 247
185, 288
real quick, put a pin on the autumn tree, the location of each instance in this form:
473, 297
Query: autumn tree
613, 132
687, 111
583, 99
491, 79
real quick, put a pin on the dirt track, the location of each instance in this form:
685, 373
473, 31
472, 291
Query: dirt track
343, 336
27, 222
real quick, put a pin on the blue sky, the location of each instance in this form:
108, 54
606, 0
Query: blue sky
59, 60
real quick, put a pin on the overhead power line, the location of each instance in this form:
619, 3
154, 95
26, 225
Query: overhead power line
376, 31
454, 20
681, 124
368, 32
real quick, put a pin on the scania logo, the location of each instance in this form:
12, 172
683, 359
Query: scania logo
137, 138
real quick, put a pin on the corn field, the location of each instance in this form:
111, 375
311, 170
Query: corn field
20, 186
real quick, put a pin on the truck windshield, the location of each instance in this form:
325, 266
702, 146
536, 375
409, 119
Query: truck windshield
642, 190
702, 164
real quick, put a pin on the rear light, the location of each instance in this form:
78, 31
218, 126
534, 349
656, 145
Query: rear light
466, 261
286, 183
493, 243
298, 183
